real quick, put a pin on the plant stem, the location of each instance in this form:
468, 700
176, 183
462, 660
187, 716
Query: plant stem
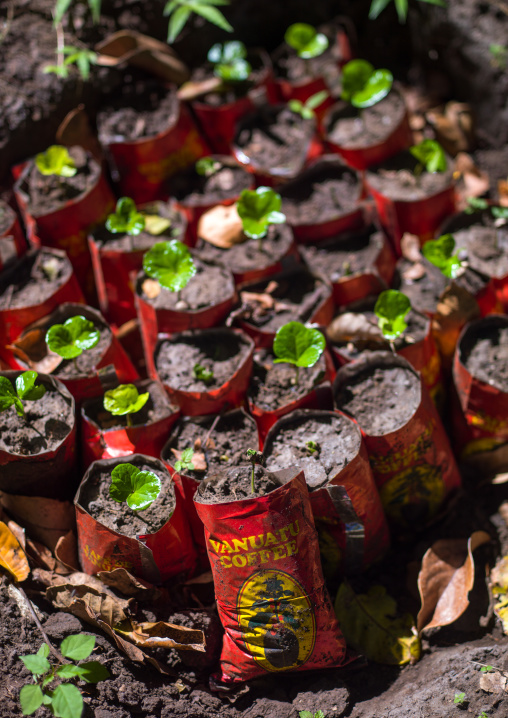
392, 346
53, 650
297, 377
129, 420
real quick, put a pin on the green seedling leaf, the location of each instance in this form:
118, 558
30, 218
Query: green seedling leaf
66, 701
43, 650
475, 204
36, 664
82, 58
8, 397
310, 714
230, 60
207, 166
68, 671
306, 40
56, 161
185, 461
201, 374
258, 209
179, 12
431, 155
26, 389
499, 212
486, 669
440, 253
170, 263
306, 110
126, 219
391, 309
297, 344
312, 447
30, 698
138, 488
71, 338
125, 399
377, 7
362, 85
459, 698
77, 647
93, 672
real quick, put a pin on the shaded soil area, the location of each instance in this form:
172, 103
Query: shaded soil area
33, 279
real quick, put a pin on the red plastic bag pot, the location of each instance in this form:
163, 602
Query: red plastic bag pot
361, 156
68, 227
291, 289
300, 190
12, 240
347, 510
336, 258
216, 439
84, 386
147, 435
230, 394
143, 168
155, 557
413, 464
14, 319
269, 585
480, 418
49, 473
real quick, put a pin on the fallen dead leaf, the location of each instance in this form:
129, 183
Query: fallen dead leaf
502, 191
445, 580
352, 327
151, 288
453, 126
165, 635
31, 349
66, 553
12, 556
121, 580
46, 520
414, 272
221, 226
410, 247
40, 555
474, 181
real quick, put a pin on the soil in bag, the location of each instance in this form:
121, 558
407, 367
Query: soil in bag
191, 189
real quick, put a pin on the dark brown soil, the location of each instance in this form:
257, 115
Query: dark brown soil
487, 358
381, 400
221, 351
143, 109
234, 433
289, 66
32, 279
272, 385
324, 192
344, 255
401, 179
349, 127
49, 193
195, 190
120, 517
235, 485
210, 285
251, 254
156, 408
45, 425
297, 296
257, 59
7, 217
275, 140
485, 243
338, 444
143, 240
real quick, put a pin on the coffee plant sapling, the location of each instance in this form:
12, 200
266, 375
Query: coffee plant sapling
254, 457
312, 447
306, 109
439, 252
391, 310
71, 338
125, 400
125, 219
230, 61
185, 461
297, 344
459, 698
179, 12
137, 488
26, 390
56, 161
258, 208
363, 85
171, 264
201, 374
306, 40
430, 156
70, 55
207, 166
65, 699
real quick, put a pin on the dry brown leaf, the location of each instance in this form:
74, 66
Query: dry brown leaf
221, 226
151, 288
40, 555
166, 635
351, 327
192, 90
46, 520
414, 272
410, 247
75, 129
502, 190
445, 580
66, 553
31, 348
198, 459
121, 580
12, 556
453, 126
475, 182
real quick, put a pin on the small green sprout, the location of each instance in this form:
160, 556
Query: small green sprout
201, 374
499, 56
401, 6
179, 12
391, 310
25, 391
483, 715
185, 461
486, 669
306, 40
430, 155
125, 400
207, 166
125, 219
297, 344
258, 208
61, 7
459, 698
306, 109
230, 61
82, 58
310, 714
474, 204
56, 161
254, 457
70, 339
362, 85
171, 264
312, 447
65, 699
439, 252
138, 488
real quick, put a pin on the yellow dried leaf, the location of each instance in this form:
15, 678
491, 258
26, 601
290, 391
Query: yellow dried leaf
156, 225
12, 556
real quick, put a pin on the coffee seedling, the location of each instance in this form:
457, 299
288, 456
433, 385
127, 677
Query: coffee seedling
254, 457
439, 252
185, 461
391, 310
430, 156
125, 400
25, 391
258, 208
230, 61
297, 344
125, 219
363, 85
306, 40
137, 488
201, 374
70, 339
56, 161
171, 264
306, 109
